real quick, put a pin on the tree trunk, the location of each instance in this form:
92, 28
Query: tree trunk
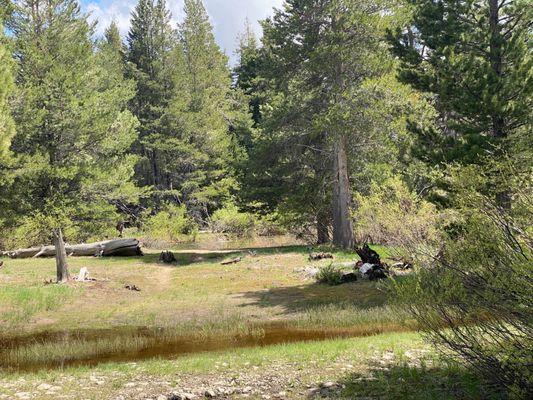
120, 247
499, 126
495, 51
343, 235
322, 227
61, 257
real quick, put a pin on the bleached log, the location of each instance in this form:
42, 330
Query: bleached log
119, 247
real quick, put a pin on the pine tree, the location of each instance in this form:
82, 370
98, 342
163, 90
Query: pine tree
318, 54
246, 73
74, 131
7, 128
200, 118
474, 57
150, 42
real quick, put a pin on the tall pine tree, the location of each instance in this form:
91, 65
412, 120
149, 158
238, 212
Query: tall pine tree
474, 57
74, 129
201, 117
150, 42
318, 54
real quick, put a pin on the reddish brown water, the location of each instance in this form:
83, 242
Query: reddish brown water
159, 344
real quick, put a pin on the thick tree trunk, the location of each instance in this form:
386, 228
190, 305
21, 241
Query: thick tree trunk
61, 257
120, 247
343, 235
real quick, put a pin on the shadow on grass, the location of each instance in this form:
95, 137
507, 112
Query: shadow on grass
361, 294
406, 382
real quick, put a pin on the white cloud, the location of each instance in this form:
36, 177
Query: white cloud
228, 16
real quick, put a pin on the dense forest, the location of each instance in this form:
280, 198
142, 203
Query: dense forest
405, 123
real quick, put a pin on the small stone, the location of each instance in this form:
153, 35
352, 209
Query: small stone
247, 389
130, 384
44, 386
23, 395
328, 385
282, 394
162, 397
210, 394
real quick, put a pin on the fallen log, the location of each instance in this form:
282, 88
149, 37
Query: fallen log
232, 261
117, 248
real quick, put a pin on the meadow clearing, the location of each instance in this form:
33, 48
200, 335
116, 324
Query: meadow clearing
259, 328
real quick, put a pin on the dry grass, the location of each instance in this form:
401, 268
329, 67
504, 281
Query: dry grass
261, 288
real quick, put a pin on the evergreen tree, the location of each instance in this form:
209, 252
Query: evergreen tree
150, 42
200, 118
74, 131
113, 39
474, 57
7, 128
247, 72
318, 54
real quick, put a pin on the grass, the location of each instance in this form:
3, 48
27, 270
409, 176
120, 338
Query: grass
201, 304
388, 366
197, 290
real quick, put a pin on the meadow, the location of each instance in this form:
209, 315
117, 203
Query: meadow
199, 319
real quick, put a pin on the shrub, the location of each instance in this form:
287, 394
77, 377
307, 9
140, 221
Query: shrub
393, 215
269, 225
474, 299
231, 221
171, 224
329, 275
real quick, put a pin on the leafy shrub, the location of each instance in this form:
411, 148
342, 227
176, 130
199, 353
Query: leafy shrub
393, 215
329, 275
474, 298
171, 224
231, 221
269, 225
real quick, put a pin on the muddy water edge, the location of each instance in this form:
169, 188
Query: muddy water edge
127, 344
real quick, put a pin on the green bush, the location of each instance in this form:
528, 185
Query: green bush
229, 220
329, 275
474, 299
269, 225
171, 224
393, 215
34, 230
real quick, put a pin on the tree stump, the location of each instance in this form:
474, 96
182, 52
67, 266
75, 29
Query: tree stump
167, 257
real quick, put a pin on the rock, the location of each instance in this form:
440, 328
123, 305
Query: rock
319, 256
247, 389
307, 272
282, 395
181, 396
328, 385
210, 394
44, 386
162, 397
130, 384
23, 395
131, 287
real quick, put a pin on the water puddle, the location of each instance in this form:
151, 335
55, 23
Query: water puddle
57, 350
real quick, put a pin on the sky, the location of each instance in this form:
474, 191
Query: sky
227, 16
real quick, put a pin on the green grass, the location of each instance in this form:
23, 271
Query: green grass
195, 298
410, 371
19, 303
